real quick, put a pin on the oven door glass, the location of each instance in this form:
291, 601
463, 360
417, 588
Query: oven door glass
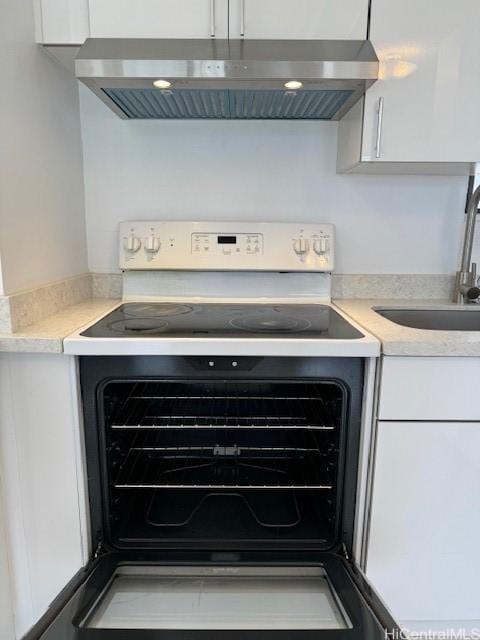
194, 596
216, 598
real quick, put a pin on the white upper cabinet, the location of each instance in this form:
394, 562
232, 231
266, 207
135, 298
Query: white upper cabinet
422, 115
159, 18
72, 21
299, 19
61, 21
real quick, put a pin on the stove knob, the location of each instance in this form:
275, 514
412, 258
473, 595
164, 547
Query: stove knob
321, 246
132, 244
152, 244
301, 246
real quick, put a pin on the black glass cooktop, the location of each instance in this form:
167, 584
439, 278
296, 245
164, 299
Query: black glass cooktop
150, 320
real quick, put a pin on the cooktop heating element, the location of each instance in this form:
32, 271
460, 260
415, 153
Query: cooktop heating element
157, 310
132, 320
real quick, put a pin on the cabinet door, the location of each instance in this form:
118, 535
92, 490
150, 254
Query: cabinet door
299, 19
61, 21
43, 494
430, 60
6, 606
422, 553
159, 18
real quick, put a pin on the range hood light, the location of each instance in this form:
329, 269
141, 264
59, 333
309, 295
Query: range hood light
162, 84
293, 84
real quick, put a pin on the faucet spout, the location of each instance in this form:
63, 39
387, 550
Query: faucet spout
465, 286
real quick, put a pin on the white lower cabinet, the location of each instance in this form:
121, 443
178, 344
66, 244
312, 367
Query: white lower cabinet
429, 388
423, 544
6, 614
43, 506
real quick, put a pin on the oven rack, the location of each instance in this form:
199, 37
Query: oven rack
215, 444
212, 442
217, 450
224, 468
229, 487
209, 426
214, 411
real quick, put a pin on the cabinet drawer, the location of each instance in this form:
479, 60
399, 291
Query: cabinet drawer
429, 389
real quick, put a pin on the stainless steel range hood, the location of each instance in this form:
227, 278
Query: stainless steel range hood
228, 79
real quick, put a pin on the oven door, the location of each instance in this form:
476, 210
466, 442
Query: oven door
225, 596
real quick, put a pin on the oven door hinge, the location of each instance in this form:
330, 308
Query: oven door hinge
99, 551
344, 551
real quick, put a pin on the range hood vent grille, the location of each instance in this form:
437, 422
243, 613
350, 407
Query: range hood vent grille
227, 104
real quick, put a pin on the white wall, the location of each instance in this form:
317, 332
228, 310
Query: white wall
42, 227
264, 171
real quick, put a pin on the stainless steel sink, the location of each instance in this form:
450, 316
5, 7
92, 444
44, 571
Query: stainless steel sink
465, 319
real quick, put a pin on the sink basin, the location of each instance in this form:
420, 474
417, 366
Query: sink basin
467, 319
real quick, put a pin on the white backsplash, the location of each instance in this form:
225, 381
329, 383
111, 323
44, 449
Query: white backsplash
272, 171
225, 286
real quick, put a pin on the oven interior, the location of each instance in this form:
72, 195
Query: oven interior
222, 463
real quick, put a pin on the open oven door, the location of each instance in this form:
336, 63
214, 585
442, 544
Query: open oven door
224, 596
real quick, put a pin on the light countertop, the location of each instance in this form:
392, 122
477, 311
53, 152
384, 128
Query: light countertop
398, 340
47, 335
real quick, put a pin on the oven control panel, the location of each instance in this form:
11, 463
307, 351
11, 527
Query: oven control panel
223, 246
215, 244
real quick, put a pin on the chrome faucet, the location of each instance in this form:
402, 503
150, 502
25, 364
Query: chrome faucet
466, 289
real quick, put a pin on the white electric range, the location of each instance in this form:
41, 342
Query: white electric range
249, 288
228, 484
